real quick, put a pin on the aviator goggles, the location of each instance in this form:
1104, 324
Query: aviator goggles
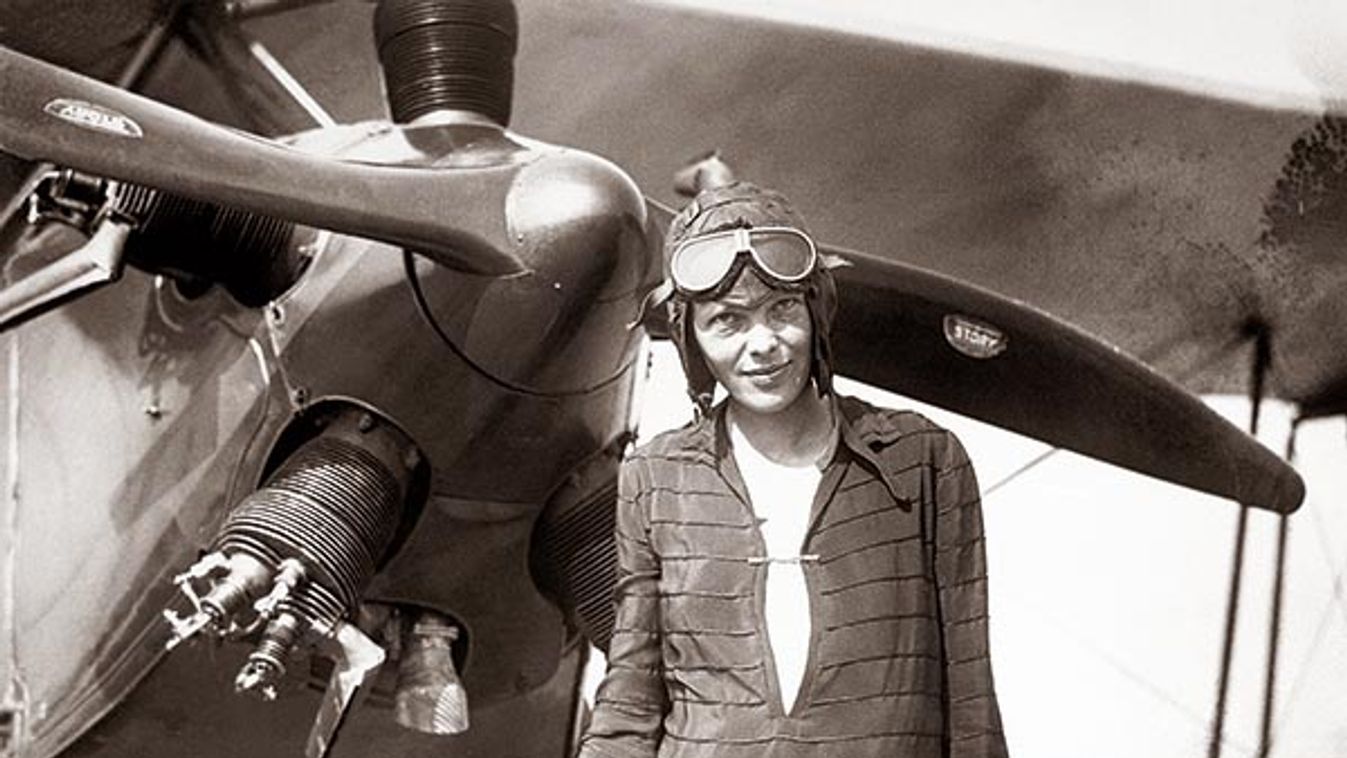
701, 264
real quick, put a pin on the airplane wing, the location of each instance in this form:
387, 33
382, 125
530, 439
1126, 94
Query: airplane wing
1161, 212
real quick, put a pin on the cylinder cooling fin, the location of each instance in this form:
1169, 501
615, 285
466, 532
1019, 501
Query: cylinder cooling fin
254, 257
447, 54
574, 556
291, 561
334, 506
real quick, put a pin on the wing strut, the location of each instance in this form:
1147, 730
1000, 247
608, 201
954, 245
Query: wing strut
1262, 364
1275, 622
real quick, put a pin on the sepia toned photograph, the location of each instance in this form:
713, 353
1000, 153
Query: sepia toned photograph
673, 379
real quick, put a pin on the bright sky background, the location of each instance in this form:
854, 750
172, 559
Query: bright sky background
1286, 52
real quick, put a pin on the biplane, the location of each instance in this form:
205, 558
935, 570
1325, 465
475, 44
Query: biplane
321, 348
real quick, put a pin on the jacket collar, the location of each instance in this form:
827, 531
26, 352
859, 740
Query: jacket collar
853, 443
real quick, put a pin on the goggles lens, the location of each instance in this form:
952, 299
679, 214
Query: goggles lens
702, 263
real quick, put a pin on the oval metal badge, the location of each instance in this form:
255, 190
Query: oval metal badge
95, 117
973, 338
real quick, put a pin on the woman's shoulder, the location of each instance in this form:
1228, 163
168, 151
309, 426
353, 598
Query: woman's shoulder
694, 440
882, 428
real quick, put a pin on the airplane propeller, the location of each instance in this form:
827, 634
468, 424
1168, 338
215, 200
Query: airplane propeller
55, 115
970, 350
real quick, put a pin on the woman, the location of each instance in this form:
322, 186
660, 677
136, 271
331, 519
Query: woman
800, 574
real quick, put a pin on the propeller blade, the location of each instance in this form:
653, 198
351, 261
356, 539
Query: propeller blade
48, 113
951, 344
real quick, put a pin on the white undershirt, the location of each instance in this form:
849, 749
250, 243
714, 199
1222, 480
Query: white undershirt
781, 497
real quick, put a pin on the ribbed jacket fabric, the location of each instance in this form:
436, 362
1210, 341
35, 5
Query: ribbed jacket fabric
896, 571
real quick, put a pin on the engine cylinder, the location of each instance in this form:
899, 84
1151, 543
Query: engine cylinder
447, 54
199, 243
333, 505
573, 555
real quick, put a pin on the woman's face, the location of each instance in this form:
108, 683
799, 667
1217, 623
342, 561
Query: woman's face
758, 342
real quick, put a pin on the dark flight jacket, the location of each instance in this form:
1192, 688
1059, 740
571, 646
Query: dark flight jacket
895, 566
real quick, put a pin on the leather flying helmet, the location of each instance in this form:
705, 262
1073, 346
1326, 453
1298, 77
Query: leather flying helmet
777, 256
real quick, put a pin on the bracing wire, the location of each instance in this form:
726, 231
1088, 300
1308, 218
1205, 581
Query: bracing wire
1021, 471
